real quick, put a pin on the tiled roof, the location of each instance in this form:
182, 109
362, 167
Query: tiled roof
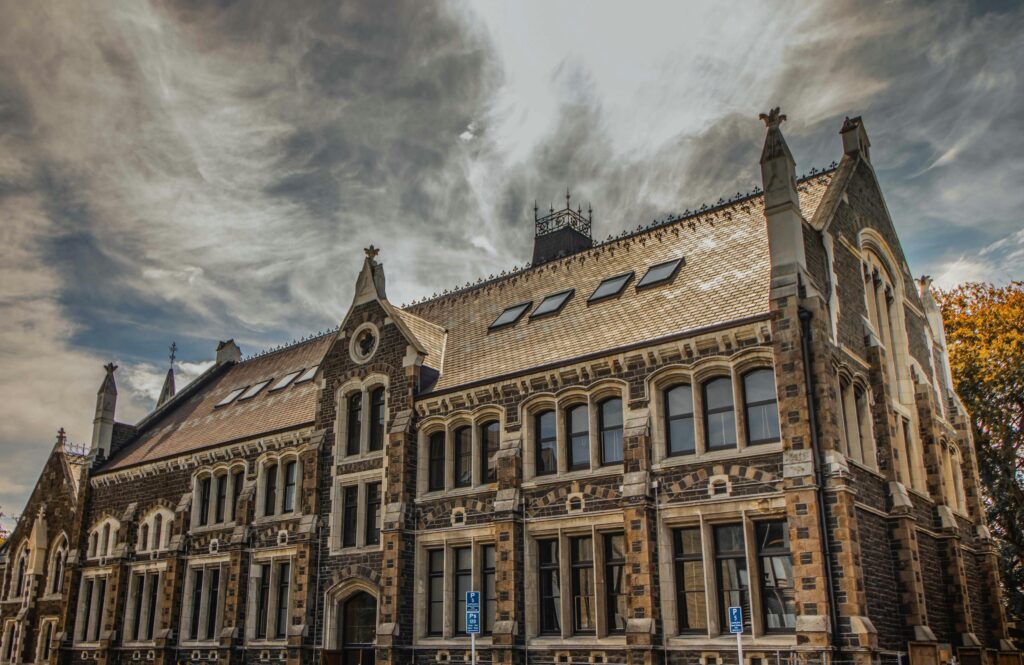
725, 278
195, 422
430, 335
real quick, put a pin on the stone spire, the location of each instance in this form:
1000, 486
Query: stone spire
103, 423
855, 138
370, 282
781, 200
167, 392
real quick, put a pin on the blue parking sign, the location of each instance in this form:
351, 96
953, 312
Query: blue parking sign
472, 612
736, 620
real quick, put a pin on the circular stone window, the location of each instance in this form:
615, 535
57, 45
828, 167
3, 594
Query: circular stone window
364, 343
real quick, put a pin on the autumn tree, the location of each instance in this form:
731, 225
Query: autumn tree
985, 336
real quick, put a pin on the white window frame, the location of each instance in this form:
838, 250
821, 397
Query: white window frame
128, 625
337, 516
273, 558
365, 387
281, 459
205, 563
230, 508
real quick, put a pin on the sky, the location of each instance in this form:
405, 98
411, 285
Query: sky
198, 171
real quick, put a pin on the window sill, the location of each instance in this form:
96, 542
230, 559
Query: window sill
355, 549
727, 454
359, 457
150, 644
433, 495
578, 640
864, 467
282, 642
273, 519
85, 645
208, 528
729, 641
199, 644
459, 641
558, 478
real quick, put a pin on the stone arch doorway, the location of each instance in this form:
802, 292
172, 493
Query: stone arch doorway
352, 626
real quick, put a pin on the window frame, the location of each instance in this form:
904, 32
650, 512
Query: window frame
708, 411
748, 406
538, 440
604, 429
670, 418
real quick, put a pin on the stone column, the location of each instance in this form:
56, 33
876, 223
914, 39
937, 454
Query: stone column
509, 625
638, 516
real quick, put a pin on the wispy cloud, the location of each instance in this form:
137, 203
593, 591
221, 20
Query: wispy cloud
192, 171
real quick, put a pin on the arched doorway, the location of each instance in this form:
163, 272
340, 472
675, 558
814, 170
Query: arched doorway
357, 628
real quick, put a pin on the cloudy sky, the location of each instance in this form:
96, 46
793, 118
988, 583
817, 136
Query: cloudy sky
198, 171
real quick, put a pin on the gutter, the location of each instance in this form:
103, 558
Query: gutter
805, 337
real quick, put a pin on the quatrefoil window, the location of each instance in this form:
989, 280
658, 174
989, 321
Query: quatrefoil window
364, 342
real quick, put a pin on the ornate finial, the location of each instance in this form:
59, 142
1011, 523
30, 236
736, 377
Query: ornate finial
773, 118
371, 252
568, 206
174, 351
110, 367
62, 436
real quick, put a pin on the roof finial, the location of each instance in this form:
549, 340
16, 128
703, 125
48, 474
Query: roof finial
62, 437
773, 118
568, 206
371, 252
174, 350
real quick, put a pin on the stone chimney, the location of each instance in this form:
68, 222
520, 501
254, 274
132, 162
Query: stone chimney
561, 233
103, 423
781, 201
228, 352
855, 138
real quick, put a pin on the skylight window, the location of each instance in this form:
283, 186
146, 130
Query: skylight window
610, 287
553, 303
511, 315
254, 390
308, 374
231, 397
660, 273
285, 380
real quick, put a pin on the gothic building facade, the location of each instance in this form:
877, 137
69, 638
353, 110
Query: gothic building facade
748, 405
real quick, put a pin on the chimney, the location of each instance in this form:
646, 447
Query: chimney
561, 233
103, 423
228, 352
781, 201
855, 138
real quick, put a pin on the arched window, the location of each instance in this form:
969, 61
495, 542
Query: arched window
463, 457
377, 419
270, 489
20, 573
679, 431
105, 540
490, 441
355, 417
719, 414
436, 471
577, 429
610, 416
158, 520
882, 301
57, 560
289, 487
762, 408
144, 538
94, 544
545, 443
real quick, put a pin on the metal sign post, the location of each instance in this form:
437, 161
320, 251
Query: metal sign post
472, 621
736, 627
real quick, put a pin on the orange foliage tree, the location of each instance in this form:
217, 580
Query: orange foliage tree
985, 336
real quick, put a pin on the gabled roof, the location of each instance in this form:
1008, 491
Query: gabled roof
725, 277
192, 420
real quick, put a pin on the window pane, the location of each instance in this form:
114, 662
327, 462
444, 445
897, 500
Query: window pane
463, 457
490, 595
289, 487
582, 564
690, 595
681, 437
355, 416
283, 575
720, 419
547, 455
510, 315
552, 303
615, 582
377, 419
733, 581
762, 408
776, 576
611, 286
435, 591
349, 515
463, 583
579, 437
490, 437
659, 273
611, 431
373, 500
550, 587
436, 481
270, 490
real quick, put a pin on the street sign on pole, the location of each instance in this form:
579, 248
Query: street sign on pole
473, 620
736, 627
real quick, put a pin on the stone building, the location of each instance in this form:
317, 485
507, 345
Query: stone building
747, 405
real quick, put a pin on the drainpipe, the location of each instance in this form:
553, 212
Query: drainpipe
805, 333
